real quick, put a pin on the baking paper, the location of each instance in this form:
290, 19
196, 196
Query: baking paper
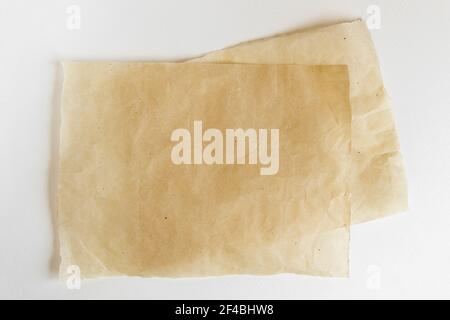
378, 179
134, 201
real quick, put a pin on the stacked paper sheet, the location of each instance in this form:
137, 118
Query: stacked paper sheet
251, 160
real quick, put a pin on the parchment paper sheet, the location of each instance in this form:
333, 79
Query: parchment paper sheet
126, 209
378, 180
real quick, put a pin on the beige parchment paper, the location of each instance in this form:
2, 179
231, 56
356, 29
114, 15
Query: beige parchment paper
378, 179
125, 208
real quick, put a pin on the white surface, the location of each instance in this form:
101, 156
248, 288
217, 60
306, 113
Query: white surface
411, 251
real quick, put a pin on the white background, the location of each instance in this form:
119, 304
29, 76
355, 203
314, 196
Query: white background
408, 253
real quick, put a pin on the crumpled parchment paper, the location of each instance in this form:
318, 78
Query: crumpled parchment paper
126, 209
378, 179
